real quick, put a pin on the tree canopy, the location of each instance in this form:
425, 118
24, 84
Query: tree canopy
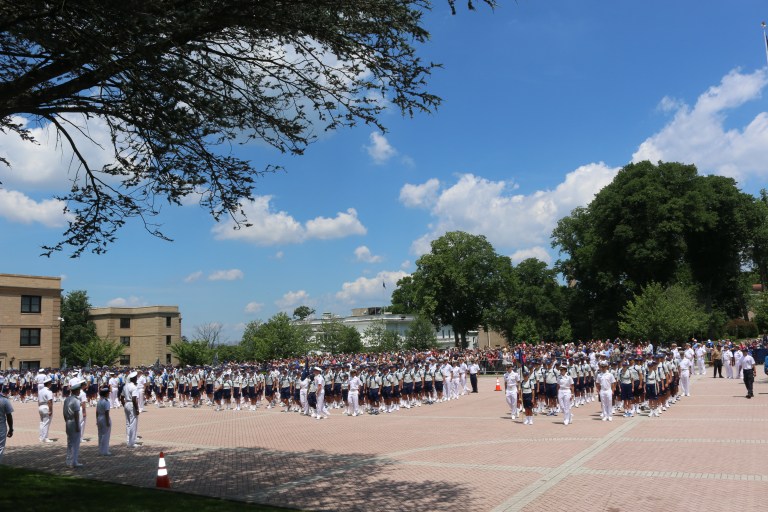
456, 283
663, 315
76, 326
658, 223
177, 83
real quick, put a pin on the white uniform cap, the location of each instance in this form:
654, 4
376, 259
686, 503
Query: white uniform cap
47, 379
74, 383
132, 375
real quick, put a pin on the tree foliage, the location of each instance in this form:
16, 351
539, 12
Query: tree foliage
176, 83
303, 312
379, 339
194, 353
456, 283
657, 223
335, 337
663, 315
276, 338
76, 328
420, 335
97, 351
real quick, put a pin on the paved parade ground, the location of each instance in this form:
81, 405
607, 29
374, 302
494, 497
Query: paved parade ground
707, 451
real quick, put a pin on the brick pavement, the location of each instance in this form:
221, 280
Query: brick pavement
708, 449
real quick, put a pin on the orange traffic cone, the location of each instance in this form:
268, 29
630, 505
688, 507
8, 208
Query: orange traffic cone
163, 482
498, 384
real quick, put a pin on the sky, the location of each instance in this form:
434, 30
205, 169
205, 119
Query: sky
543, 103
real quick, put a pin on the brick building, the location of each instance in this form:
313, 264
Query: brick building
146, 333
30, 325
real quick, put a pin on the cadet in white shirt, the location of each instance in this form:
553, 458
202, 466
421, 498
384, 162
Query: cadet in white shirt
353, 397
685, 376
130, 400
748, 368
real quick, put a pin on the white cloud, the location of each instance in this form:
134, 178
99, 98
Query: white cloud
254, 307
365, 288
49, 163
420, 196
698, 135
194, 276
405, 264
511, 221
279, 255
292, 299
344, 224
269, 227
364, 254
537, 252
17, 207
226, 275
130, 302
380, 149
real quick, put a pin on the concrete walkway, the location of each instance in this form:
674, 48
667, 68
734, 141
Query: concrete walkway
708, 451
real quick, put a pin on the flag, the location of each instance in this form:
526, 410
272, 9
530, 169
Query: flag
384, 285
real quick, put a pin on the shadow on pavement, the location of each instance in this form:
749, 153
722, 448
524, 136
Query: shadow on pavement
311, 480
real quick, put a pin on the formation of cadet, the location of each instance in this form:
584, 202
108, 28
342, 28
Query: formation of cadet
626, 385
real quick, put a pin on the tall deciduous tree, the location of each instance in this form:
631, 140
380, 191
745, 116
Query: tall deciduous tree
663, 315
420, 335
76, 326
276, 338
192, 352
456, 283
98, 351
656, 223
177, 82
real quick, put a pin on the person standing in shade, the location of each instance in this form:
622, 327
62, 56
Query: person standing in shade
473, 369
103, 421
748, 368
130, 400
717, 362
6, 417
72, 412
45, 408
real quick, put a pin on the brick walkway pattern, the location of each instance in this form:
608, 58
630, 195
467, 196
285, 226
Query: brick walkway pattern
707, 451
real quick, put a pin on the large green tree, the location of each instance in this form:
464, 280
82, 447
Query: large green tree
656, 223
193, 353
97, 351
420, 335
76, 326
178, 82
663, 315
276, 338
456, 283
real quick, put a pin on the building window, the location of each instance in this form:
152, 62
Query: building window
30, 303
168, 339
30, 337
167, 358
125, 360
125, 323
125, 340
167, 321
32, 366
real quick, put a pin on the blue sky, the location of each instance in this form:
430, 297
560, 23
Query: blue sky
543, 101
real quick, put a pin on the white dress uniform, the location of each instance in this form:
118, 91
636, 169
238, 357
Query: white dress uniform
606, 381
511, 380
564, 396
737, 357
353, 395
727, 362
130, 390
320, 394
83, 403
685, 376
104, 430
43, 396
700, 353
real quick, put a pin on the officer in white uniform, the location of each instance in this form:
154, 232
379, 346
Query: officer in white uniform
565, 392
320, 394
45, 408
606, 384
728, 362
685, 375
354, 389
72, 411
130, 401
511, 382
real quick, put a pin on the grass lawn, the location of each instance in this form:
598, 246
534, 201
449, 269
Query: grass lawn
30, 490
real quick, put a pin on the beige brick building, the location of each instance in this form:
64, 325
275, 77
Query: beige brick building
146, 333
30, 327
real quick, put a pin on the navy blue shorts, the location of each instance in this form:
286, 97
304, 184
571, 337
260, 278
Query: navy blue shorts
407, 388
386, 393
236, 393
626, 391
312, 399
373, 394
269, 392
528, 400
228, 393
328, 390
550, 390
251, 392
428, 386
297, 395
337, 389
209, 389
285, 393
195, 392
417, 387
345, 395
650, 392
439, 386
171, 394
218, 394
396, 391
